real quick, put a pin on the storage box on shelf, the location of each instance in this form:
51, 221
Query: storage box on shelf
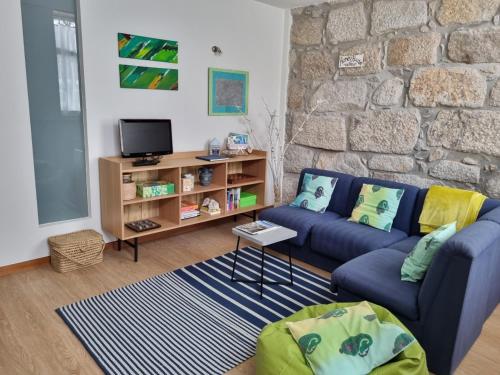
166, 209
150, 189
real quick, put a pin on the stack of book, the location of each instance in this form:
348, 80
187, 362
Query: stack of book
257, 227
189, 210
210, 211
233, 198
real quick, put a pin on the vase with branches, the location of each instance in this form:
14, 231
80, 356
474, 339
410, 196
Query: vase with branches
276, 142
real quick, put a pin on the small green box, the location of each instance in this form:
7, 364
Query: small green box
247, 199
155, 189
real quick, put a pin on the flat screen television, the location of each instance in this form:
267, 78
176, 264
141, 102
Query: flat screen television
145, 138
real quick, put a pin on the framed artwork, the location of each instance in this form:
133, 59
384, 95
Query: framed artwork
144, 77
227, 92
145, 48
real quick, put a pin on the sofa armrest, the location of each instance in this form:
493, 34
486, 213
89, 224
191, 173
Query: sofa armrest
470, 242
459, 292
493, 215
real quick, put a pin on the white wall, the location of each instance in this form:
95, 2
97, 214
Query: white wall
252, 36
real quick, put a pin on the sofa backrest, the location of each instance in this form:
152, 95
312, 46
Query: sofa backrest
403, 218
488, 205
340, 195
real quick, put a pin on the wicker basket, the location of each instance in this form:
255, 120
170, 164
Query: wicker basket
129, 190
75, 250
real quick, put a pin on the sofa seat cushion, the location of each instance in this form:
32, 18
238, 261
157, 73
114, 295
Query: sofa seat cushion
347, 240
406, 245
298, 219
376, 277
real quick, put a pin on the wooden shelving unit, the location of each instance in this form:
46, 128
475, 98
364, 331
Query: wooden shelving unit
165, 210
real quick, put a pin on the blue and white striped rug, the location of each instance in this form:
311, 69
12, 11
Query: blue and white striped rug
193, 320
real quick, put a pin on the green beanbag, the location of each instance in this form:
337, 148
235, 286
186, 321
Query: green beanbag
279, 354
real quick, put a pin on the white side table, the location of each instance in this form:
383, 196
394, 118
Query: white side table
263, 240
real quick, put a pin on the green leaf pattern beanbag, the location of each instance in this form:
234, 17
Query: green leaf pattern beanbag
349, 340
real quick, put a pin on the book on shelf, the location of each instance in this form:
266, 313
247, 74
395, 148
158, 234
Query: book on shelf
189, 214
257, 227
187, 206
233, 198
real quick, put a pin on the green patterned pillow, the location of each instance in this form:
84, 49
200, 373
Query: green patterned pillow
377, 206
349, 340
315, 192
419, 259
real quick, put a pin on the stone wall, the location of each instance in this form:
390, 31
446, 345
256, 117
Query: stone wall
423, 109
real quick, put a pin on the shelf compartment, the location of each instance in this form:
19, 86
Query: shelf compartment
166, 224
218, 178
199, 189
218, 195
199, 219
245, 209
166, 210
245, 183
168, 175
139, 200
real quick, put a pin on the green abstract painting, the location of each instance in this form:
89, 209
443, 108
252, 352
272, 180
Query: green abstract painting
145, 48
143, 77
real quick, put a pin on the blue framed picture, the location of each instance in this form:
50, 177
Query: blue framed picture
227, 92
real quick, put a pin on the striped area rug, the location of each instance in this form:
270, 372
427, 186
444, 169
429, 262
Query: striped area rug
193, 320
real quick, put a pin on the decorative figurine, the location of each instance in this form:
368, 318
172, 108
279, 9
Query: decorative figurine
214, 147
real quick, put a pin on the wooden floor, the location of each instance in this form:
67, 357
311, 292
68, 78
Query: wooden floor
34, 340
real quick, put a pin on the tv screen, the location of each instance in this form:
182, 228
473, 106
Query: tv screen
140, 138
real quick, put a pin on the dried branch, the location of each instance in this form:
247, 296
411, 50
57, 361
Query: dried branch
275, 142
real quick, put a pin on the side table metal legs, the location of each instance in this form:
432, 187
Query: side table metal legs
261, 280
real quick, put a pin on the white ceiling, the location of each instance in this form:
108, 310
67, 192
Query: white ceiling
289, 4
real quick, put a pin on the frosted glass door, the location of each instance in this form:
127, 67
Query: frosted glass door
51, 50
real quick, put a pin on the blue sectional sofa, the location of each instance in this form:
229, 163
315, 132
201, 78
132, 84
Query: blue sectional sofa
445, 311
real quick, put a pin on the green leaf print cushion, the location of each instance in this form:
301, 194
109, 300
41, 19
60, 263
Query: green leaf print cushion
377, 206
350, 340
419, 259
315, 192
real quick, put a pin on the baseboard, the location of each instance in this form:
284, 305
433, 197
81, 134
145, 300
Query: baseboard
22, 266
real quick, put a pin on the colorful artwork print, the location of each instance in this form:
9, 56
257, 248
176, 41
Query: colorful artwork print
227, 92
145, 48
143, 77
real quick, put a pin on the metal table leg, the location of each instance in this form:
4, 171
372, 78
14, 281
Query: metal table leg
261, 281
235, 258
262, 272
